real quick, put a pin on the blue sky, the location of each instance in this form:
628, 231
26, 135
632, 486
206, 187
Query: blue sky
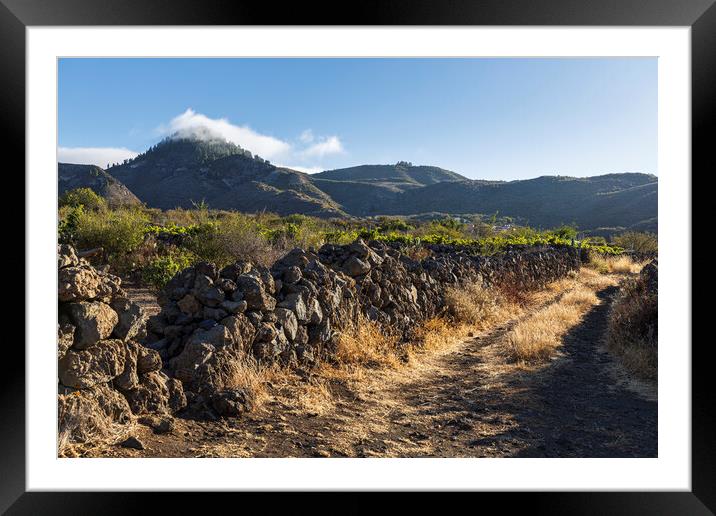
484, 118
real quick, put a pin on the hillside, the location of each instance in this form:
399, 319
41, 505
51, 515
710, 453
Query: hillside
183, 170
180, 171
70, 176
612, 200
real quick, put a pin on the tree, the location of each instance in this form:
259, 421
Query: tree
637, 241
85, 197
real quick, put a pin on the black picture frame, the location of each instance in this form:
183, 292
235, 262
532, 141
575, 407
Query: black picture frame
700, 15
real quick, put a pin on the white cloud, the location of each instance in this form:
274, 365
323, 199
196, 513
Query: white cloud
307, 170
329, 145
196, 124
99, 156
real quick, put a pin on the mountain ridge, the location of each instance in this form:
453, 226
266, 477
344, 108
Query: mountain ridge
184, 169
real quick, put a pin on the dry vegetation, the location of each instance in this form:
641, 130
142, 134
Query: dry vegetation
621, 264
632, 330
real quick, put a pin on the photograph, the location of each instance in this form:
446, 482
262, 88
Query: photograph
357, 257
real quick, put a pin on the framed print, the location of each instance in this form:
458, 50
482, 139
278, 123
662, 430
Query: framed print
382, 252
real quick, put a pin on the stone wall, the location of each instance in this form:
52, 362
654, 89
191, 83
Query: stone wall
104, 375
294, 312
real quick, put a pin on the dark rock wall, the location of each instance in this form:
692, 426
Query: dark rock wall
294, 311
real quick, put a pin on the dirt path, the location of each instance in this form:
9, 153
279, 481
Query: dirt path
465, 401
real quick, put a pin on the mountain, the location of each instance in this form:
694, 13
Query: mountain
611, 200
183, 170
72, 176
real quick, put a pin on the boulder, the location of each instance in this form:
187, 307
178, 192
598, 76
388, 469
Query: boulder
232, 402
94, 321
98, 364
287, 319
131, 318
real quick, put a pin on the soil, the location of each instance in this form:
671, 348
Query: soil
465, 401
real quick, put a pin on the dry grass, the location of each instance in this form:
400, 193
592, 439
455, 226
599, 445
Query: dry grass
632, 331
621, 264
84, 425
536, 337
471, 304
367, 344
247, 374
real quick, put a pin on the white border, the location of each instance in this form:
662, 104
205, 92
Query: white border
670, 471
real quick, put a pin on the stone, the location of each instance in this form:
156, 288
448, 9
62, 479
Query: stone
131, 318
241, 330
234, 307
189, 305
160, 424
66, 256
78, 283
292, 275
150, 396
98, 364
287, 319
65, 336
148, 360
94, 321
89, 414
214, 313
232, 402
188, 361
132, 442
297, 305
254, 294
354, 266
129, 378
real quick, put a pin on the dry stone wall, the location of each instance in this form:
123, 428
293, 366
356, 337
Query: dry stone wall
294, 311
105, 376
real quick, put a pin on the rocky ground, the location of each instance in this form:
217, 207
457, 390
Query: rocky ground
465, 400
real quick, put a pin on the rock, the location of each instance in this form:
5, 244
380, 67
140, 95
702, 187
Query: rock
66, 256
98, 364
205, 291
234, 307
78, 283
189, 305
177, 399
254, 294
151, 396
315, 314
188, 361
128, 379
292, 275
94, 321
65, 336
297, 305
218, 336
214, 313
207, 269
131, 318
148, 360
241, 330
232, 403
132, 442
354, 266
287, 319
160, 424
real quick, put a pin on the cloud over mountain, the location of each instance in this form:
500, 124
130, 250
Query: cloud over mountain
100, 156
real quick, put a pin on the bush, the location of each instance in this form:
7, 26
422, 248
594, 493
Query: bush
632, 331
117, 232
85, 197
646, 243
163, 268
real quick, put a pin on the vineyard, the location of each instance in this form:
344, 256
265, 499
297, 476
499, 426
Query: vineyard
152, 245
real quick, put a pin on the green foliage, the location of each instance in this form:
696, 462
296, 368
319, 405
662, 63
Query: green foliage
163, 268
637, 241
85, 197
565, 232
69, 223
118, 232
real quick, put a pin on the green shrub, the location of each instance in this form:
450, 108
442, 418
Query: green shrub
163, 268
85, 197
118, 232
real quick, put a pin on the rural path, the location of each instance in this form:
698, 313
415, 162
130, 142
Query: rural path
464, 401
